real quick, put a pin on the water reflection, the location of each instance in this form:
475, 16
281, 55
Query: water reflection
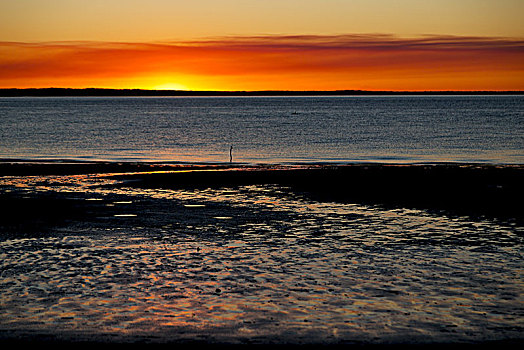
257, 261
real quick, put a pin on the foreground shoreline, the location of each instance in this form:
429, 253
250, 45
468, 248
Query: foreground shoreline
243, 255
492, 190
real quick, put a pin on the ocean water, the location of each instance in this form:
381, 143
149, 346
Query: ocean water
99, 259
398, 129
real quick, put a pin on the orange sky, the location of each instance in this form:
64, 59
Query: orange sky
290, 46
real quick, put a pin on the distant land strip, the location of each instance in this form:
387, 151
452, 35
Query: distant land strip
42, 92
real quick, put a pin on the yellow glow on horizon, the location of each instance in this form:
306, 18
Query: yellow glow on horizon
169, 81
170, 86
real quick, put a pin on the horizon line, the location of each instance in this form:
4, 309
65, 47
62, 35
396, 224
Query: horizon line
94, 91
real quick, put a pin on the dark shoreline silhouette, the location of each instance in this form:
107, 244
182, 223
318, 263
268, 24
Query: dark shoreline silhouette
489, 190
57, 92
456, 189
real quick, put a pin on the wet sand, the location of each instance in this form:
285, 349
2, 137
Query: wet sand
494, 191
462, 189
364, 254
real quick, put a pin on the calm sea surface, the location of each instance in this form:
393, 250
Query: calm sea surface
401, 129
96, 259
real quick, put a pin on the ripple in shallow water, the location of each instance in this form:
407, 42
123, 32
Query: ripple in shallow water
258, 262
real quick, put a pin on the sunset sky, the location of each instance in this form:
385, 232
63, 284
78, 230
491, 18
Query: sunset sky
263, 44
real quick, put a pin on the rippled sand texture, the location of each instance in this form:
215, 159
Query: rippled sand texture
254, 264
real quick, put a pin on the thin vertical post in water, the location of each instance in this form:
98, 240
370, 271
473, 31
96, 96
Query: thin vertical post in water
231, 154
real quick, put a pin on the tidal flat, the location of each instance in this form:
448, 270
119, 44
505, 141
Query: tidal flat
363, 254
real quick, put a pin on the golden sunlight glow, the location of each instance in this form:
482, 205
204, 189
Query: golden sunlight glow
166, 80
263, 45
170, 86
300, 62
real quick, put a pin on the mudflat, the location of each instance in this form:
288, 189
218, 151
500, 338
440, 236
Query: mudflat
367, 254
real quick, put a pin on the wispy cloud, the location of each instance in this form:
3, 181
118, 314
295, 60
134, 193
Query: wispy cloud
348, 61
